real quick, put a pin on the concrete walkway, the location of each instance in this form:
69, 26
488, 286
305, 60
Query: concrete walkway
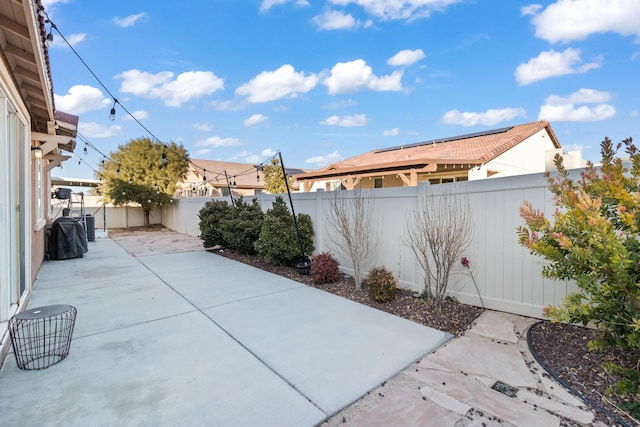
178, 336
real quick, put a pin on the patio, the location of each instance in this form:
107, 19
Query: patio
176, 335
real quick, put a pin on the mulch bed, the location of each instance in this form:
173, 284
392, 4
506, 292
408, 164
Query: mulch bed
562, 348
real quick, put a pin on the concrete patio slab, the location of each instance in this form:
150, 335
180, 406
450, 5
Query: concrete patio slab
214, 285
178, 371
107, 305
268, 351
331, 349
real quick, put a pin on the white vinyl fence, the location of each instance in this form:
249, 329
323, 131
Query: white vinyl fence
508, 277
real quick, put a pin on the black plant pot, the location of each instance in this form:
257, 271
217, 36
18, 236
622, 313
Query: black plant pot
304, 266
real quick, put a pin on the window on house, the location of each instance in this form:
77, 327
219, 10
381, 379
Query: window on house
377, 183
257, 191
225, 191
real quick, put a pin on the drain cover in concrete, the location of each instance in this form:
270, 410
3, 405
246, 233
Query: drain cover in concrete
505, 389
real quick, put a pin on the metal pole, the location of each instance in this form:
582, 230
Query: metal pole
293, 212
228, 186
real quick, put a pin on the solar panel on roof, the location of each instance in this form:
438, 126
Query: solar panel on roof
451, 138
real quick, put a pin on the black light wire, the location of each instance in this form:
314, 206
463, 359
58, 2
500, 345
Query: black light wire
116, 101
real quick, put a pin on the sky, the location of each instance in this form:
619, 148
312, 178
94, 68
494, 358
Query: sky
323, 81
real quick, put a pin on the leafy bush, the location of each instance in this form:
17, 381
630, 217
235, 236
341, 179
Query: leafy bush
278, 241
593, 240
241, 229
324, 268
382, 284
212, 215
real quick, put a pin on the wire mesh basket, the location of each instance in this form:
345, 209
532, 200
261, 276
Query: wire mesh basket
41, 337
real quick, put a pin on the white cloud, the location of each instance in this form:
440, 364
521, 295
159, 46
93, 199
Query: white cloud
335, 20
205, 127
569, 113
255, 119
564, 109
96, 130
354, 76
138, 114
73, 39
80, 99
489, 117
570, 20
336, 105
248, 157
185, 87
581, 96
129, 21
202, 151
325, 160
398, 9
216, 141
531, 9
284, 82
391, 132
406, 57
268, 4
552, 64
356, 120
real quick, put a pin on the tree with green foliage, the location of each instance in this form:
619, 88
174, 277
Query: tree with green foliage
278, 242
212, 215
593, 239
241, 229
143, 172
274, 182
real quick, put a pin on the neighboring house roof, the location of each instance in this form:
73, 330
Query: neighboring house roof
470, 149
245, 175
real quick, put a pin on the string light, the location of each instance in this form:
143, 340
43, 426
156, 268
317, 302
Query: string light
112, 114
163, 160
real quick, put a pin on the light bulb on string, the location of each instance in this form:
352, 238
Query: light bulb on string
164, 158
85, 149
112, 113
118, 170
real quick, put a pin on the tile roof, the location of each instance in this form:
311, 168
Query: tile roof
474, 149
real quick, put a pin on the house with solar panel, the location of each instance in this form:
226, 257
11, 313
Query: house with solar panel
514, 150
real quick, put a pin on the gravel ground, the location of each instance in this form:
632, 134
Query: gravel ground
562, 348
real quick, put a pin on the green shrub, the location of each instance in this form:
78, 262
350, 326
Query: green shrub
382, 284
324, 268
211, 216
278, 241
241, 229
592, 238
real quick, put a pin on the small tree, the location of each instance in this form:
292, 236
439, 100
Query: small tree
143, 172
438, 233
278, 242
212, 215
274, 182
352, 230
594, 240
241, 229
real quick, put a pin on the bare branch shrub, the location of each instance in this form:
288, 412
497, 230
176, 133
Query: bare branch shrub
352, 230
438, 232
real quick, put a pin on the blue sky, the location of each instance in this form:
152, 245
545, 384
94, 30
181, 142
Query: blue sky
322, 81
